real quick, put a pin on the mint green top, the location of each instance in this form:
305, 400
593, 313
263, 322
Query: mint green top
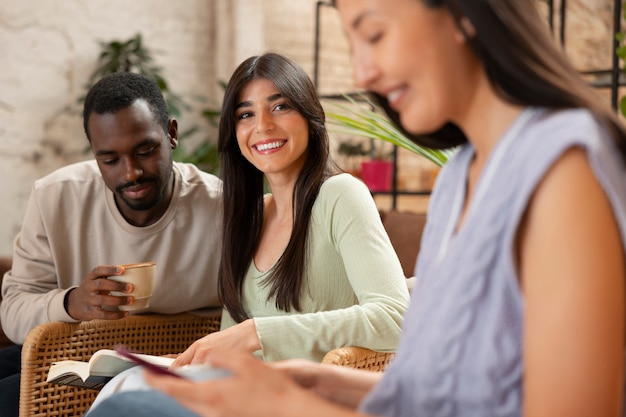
355, 291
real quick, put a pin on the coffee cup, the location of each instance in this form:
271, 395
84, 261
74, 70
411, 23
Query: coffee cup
143, 276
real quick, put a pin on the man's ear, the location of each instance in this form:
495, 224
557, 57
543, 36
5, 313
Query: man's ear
172, 133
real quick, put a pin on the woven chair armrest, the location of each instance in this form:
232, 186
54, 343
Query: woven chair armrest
358, 357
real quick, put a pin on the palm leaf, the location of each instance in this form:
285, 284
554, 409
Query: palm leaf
355, 119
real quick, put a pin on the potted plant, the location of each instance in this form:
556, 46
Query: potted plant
358, 117
374, 165
377, 170
133, 55
353, 152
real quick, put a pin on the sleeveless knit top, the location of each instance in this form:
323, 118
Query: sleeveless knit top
461, 348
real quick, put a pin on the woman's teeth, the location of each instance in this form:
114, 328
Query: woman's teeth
271, 145
393, 95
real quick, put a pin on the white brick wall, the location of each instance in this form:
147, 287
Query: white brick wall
49, 47
47, 51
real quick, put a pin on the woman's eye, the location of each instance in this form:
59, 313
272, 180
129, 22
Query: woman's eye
375, 38
110, 161
244, 115
282, 106
371, 31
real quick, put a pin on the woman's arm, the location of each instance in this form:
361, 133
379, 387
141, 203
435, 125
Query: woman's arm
340, 385
355, 281
254, 389
571, 263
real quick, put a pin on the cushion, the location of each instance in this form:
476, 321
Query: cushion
405, 232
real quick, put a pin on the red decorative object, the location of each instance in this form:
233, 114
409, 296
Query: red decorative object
377, 175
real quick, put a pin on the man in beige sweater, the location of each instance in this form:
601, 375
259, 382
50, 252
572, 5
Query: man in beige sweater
132, 204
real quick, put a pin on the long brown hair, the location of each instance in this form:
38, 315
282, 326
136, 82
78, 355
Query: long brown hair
243, 187
523, 64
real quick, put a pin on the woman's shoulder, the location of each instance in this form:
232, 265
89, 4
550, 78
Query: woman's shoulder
579, 115
577, 124
344, 192
343, 182
341, 188
551, 132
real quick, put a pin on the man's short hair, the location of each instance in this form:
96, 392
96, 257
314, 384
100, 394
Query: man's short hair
118, 91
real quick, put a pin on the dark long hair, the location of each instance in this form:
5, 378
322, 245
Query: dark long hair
523, 64
243, 187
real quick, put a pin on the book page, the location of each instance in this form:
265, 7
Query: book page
58, 369
104, 363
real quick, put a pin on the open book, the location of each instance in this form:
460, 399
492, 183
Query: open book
103, 365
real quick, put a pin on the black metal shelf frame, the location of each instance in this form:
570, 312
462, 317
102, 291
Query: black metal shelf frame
614, 71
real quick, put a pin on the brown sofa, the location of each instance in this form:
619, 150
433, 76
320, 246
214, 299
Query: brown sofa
405, 232
5, 265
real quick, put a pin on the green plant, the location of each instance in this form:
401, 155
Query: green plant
351, 149
356, 119
353, 152
133, 55
374, 151
204, 155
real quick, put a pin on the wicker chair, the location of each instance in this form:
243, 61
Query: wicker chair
360, 358
153, 334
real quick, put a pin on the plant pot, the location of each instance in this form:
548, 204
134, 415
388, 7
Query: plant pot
377, 175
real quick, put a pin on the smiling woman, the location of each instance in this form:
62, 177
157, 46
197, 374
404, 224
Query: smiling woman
313, 253
309, 267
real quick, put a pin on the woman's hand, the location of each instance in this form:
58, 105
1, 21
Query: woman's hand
338, 384
254, 389
242, 338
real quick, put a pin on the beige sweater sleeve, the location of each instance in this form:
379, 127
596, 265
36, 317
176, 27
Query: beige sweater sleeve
30, 292
71, 226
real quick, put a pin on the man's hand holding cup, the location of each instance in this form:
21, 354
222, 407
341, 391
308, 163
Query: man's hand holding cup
111, 291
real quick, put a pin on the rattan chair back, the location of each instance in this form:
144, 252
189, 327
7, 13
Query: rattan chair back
153, 334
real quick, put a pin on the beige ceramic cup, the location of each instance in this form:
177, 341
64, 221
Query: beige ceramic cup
142, 276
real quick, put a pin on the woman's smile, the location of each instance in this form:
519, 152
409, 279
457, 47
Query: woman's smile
269, 146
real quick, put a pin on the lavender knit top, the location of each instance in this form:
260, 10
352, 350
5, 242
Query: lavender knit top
460, 352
